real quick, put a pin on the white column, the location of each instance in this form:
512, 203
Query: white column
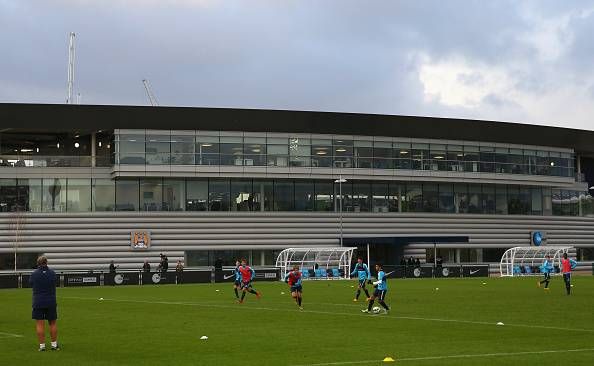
93, 149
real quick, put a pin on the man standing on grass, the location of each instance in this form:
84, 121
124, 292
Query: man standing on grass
247, 276
566, 266
293, 278
237, 281
546, 269
43, 283
362, 272
381, 287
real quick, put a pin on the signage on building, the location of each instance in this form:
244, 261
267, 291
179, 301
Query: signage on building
538, 238
140, 240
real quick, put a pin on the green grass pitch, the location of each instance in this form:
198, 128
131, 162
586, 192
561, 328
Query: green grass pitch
455, 325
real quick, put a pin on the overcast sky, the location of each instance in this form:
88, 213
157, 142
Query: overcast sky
508, 60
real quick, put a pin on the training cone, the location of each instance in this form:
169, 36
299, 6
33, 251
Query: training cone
389, 359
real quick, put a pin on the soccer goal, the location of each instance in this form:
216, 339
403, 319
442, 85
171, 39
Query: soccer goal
317, 263
526, 261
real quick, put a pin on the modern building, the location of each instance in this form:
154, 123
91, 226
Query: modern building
87, 184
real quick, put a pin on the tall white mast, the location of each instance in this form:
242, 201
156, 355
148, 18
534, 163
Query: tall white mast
149, 92
71, 55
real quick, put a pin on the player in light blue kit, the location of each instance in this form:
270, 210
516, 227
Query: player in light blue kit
546, 269
362, 272
381, 287
237, 282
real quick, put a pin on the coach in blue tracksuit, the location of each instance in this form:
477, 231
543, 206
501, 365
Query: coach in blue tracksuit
43, 283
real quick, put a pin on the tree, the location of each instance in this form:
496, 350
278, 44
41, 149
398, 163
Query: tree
16, 225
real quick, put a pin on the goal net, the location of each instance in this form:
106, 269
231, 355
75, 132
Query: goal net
317, 263
526, 261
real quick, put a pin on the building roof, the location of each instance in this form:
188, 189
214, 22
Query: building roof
62, 117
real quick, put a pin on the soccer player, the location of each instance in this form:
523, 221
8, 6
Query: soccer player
546, 268
381, 287
43, 283
293, 278
566, 266
237, 283
362, 273
247, 276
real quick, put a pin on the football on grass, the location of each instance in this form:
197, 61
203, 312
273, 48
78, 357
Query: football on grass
376, 309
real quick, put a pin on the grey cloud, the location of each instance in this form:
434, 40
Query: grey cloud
332, 55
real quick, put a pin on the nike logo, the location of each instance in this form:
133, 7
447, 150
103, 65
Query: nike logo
473, 272
227, 277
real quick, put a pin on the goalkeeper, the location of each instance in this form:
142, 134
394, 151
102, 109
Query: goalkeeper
362, 272
381, 287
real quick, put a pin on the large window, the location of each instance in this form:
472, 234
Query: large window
284, 195
218, 194
361, 201
278, 152
78, 196
130, 149
158, 149
383, 155
151, 194
242, 198
300, 152
182, 149
263, 195
321, 153
231, 150
30, 193
446, 198
430, 198
174, 193
54, 194
304, 196
197, 195
414, 198
103, 195
207, 150
343, 153
254, 151
258, 149
324, 196
127, 191
243, 194
380, 197
8, 195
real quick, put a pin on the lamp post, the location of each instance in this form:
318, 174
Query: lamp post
340, 180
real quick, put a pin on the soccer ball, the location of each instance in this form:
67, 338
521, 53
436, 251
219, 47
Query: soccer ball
376, 309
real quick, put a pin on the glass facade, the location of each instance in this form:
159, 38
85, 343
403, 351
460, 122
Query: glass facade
241, 194
59, 149
214, 148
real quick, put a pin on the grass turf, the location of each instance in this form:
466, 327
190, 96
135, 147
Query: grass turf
159, 325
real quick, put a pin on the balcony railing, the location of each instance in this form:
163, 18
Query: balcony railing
39, 161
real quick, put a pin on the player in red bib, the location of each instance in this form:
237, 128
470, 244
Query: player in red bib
566, 266
293, 278
247, 276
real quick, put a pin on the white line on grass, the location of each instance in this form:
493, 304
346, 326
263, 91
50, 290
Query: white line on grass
10, 335
335, 313
431, 358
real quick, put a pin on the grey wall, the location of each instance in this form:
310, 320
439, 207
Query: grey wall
90, 240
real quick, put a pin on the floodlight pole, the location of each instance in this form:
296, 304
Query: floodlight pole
340, 180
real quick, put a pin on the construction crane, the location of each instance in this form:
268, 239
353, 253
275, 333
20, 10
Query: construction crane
149, 92
71, 55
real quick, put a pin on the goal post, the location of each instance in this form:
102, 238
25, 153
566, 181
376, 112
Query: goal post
522, 261
332, 263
